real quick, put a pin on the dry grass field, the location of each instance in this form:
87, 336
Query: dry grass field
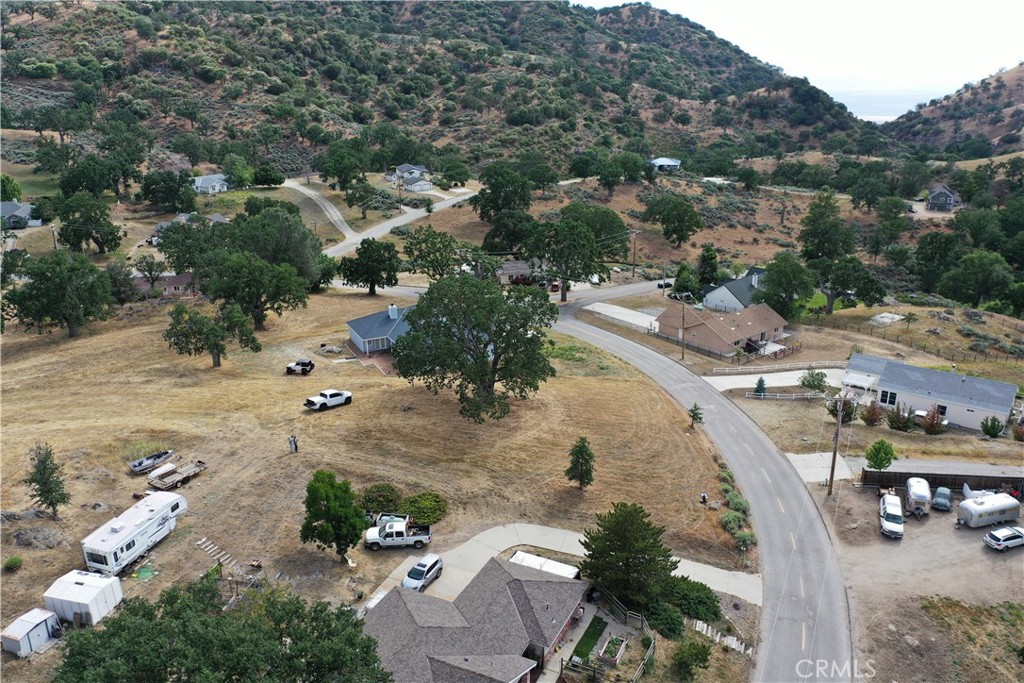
118, 391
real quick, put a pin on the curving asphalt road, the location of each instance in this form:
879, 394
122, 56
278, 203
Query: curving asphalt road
805, 623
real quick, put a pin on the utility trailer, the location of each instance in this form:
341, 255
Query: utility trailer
177, 477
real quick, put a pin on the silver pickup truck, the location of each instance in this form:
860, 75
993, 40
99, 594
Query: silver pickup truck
397, 535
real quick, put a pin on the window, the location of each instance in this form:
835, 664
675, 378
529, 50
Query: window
115, 556
887, 398
175, 507
941, 410
128, 546
96, 558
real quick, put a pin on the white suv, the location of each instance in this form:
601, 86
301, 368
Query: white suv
424, 573
890, 516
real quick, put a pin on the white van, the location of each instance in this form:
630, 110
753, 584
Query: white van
992, 509
890, 516
919, 496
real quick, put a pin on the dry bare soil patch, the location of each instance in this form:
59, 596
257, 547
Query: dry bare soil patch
118, 391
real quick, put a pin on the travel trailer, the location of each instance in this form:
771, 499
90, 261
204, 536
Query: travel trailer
130, 535
919, 496
993, 509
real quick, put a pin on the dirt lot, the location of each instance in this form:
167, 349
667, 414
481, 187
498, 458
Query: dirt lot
118, 392
937, 605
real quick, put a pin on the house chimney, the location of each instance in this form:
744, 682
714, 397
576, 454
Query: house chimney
393, 311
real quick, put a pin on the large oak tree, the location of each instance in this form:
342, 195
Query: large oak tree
483, 342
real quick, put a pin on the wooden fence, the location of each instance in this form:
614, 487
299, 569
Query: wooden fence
780, 367
954, 482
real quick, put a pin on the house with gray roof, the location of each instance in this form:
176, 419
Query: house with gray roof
15, 215
214, 183
504, 624
665, 164
964, 401
941, 198
417, 184
737, 294
406, 172
379, 331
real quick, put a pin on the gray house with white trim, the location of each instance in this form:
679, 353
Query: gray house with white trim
215, 183
961, 399
735, 295
379, 331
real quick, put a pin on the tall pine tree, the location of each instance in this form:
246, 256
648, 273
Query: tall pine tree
45, 480
581, 464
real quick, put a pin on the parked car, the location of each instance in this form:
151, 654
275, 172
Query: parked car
1004, 538
303, 366
328, 398
890, 515
943, 499
423, 573
664, 284
555, 287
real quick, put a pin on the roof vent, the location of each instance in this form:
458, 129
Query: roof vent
116, 528
393, 311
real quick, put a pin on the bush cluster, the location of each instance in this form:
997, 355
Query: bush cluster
13, 563
693, 598
900, 418
426, 508
381, 497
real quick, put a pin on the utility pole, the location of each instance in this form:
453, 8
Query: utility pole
633, 272
835, 442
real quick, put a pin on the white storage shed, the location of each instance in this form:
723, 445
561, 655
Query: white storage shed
91, 596
30, 631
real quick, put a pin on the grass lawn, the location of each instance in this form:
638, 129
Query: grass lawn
32, 184
590, 636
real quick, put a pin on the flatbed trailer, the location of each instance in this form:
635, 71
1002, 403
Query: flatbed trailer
179, 476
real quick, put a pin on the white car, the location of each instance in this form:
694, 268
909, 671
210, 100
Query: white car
890, 516
423, 573
1004, 538
328, 398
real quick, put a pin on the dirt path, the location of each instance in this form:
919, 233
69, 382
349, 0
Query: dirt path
330, 210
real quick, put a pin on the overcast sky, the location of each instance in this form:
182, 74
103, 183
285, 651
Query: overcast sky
904, 51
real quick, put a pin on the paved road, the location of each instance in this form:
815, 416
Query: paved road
805, 615
330, 210
352, 241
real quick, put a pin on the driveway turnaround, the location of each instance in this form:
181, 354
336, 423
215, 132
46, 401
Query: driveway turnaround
463, 562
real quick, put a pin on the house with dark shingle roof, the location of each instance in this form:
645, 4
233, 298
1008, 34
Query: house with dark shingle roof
505, 623
961, 399
941, 198
214, 183
735, 294
15, 215
379, 331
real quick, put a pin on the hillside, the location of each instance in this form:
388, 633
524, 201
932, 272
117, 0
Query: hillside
493, 78
979, 120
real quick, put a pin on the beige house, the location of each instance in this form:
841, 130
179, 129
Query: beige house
756, 329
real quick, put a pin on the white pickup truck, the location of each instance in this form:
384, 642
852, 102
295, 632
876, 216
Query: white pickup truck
328, 398
397, 535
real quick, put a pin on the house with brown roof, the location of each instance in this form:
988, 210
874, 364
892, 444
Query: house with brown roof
755, 329
504, 625
168, 285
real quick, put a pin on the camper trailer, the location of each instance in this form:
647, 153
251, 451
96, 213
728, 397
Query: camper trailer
130, 535
992, 509
919, 496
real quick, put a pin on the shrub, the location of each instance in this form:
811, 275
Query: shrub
693, 598
992, 426
900, 418
381, 497
849, 409
724, 475
932, 422
689, 656
760, 387
737, 502
401, 231
732, 521
814, 380
745, 539
1018, 432
426, 508
12, 564
666, 620
726, 489
872, 414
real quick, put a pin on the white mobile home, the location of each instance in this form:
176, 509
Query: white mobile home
83, 597
30, 631
962, 400
131, 534
993, 509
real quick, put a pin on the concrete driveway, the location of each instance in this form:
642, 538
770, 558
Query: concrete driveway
463, 562
789, 378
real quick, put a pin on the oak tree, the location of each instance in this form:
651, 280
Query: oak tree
376, 264
45, 480
191, 332
61, 290
334, 518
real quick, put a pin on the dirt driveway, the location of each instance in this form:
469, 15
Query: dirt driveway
893, 587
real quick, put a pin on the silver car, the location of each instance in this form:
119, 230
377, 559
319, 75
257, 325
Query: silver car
423, 573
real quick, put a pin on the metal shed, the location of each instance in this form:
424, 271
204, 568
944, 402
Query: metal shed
83, 597
30, 631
